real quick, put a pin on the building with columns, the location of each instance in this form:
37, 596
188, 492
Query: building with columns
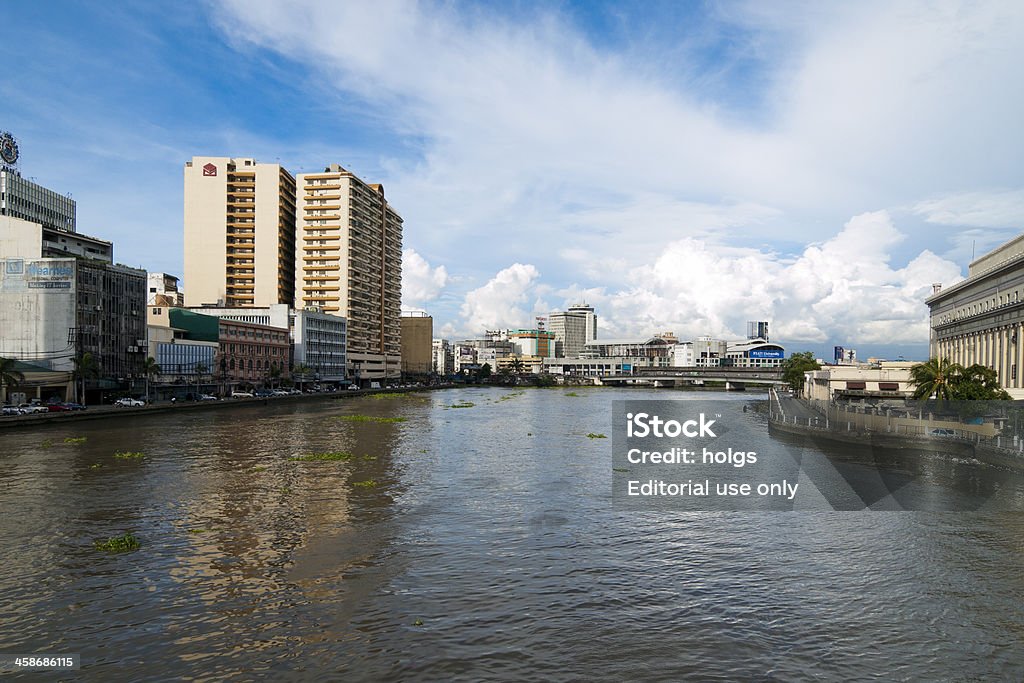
981, 319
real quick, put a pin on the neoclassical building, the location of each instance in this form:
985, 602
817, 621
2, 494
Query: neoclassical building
981, 319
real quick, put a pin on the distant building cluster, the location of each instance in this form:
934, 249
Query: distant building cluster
566, 344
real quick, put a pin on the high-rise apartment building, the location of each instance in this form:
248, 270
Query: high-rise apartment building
350, 263
239, 233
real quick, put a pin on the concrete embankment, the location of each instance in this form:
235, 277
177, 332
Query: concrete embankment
983, 450
46, 420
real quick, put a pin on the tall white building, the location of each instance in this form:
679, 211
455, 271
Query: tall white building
573, 329
239, 233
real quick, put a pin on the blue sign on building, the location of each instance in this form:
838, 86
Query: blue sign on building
767, 353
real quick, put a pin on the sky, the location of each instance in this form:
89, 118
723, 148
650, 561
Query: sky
681, 166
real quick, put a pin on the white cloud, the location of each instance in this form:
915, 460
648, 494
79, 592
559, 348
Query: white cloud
421, 284
498, 304
1000, 209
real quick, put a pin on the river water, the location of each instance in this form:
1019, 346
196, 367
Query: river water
470, 543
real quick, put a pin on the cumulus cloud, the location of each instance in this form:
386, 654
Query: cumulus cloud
844, 288
421, 283
499, 303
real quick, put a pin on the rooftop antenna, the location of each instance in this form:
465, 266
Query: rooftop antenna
974, 243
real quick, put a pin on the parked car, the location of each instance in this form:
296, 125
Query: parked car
207, 397
263, 393
942, 432
30, 408
71, 405
129, 402
241, 394
279, 392
11, 410
353, 387
57, 408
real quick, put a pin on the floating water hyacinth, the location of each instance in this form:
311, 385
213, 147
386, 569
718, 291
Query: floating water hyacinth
369, 418
129, 455
322, 456
118, 544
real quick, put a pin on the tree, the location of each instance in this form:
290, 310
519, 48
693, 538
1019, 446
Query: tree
937, 377
86, 367
794, 367
518, 366
979, 383
275, 374
484, 372
150, 369
9, 377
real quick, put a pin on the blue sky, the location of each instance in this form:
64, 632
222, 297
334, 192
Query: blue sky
681, 166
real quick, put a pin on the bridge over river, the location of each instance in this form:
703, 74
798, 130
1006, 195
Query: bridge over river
735, 379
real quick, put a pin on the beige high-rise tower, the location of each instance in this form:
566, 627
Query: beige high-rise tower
350, 263
239, 233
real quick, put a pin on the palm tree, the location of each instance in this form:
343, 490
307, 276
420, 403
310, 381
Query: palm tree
86, 367
151, 369
9, 377
937, 377
518, 366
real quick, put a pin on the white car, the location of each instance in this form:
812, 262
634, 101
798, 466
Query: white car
30, 408
279, 392
241, 394
207, 397
128, 402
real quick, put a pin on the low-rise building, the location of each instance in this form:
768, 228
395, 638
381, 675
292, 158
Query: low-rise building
889, 380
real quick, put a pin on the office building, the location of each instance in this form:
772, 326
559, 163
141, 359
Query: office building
573, 329
981, 319
444, 359
239, 233
164, 291
350, 263
25, 199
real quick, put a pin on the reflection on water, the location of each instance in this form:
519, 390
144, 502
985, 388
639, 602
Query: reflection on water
475, 543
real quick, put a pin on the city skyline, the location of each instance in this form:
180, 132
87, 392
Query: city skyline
679, 168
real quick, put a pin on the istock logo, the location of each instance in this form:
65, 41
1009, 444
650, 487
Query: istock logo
643, 424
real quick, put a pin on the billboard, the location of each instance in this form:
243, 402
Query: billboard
767, 353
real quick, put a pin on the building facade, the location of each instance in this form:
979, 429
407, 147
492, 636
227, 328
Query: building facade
163, 291
443, 359
572, 330
417, 344
239, 233
22, 198
319, 340
981, 319
350, 263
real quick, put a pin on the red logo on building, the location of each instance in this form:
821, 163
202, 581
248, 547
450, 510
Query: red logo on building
209, 169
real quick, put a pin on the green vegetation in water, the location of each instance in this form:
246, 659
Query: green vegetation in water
398, 395
572, 393
46, 443
619, 469
340, 455
285, 490
259, 468
95, 466
75, 439
592, 435
424, 450
370, 418
199, 531
129, 455
118, 544
369, 457
464, 404
418, 622
368, 484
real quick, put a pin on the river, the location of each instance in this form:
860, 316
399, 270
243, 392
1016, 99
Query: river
477, 542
